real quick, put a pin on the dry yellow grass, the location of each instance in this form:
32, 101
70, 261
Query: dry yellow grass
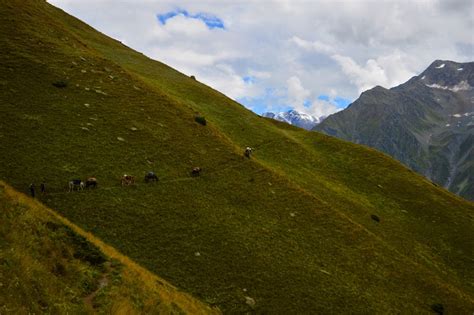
135, 279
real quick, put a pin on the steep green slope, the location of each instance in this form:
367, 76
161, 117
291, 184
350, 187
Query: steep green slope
50, 266
288, 231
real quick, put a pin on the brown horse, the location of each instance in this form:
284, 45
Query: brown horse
127, 180
91, 182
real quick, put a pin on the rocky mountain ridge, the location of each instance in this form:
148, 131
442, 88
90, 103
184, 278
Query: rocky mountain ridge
426, 123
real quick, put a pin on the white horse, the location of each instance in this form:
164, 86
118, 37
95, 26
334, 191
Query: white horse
76, 184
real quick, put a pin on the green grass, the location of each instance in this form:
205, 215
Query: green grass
290, 228
50, 266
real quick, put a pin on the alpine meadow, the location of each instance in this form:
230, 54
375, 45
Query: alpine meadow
308, 224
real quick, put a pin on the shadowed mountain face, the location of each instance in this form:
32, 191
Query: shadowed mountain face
309, 224
427, 123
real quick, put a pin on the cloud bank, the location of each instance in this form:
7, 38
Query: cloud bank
313, 56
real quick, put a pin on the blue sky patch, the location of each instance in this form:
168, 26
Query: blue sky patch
249, 79
270, 101
210, 20
323, 97
342, 102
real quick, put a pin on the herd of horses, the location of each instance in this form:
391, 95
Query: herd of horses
128, 180
77, 184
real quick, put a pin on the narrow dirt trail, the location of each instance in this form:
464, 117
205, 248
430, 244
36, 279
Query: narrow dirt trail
103, 282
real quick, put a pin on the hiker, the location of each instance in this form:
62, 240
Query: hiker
43, 188
32, 190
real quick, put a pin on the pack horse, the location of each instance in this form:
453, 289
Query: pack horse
76, 184
196, 171
91, 182
127, 180
151, 177
248, 152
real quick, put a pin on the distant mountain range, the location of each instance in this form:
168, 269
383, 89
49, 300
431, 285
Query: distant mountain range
427, 123
295, 118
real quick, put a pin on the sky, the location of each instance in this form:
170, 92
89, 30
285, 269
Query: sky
274, 55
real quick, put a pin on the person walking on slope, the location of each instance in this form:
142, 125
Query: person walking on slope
32, 190
43, 188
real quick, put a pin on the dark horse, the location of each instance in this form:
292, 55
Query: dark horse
91, 182
196, 171
151, 177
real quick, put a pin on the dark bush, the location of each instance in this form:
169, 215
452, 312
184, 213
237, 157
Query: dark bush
52, 226
193, 77
438, 308
59, 269
375, 218
84, 250
60, 84
200, 120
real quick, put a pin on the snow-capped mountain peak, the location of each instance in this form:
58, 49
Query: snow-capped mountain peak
295, 118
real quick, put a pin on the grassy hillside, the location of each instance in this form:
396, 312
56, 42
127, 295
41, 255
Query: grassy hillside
288, 231
49, 265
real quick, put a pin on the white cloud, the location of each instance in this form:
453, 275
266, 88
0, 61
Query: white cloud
298, 97
225, 79
321, 108
386, 71
188, 58
182, 25
315, 46
297, 94
364, 77
301, 49
260, 74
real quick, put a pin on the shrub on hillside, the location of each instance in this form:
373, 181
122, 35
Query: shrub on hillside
375, 218
83, 249
60, 84
438, 308
200, 120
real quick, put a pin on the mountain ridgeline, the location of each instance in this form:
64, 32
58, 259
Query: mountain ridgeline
309, 224
426, 123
